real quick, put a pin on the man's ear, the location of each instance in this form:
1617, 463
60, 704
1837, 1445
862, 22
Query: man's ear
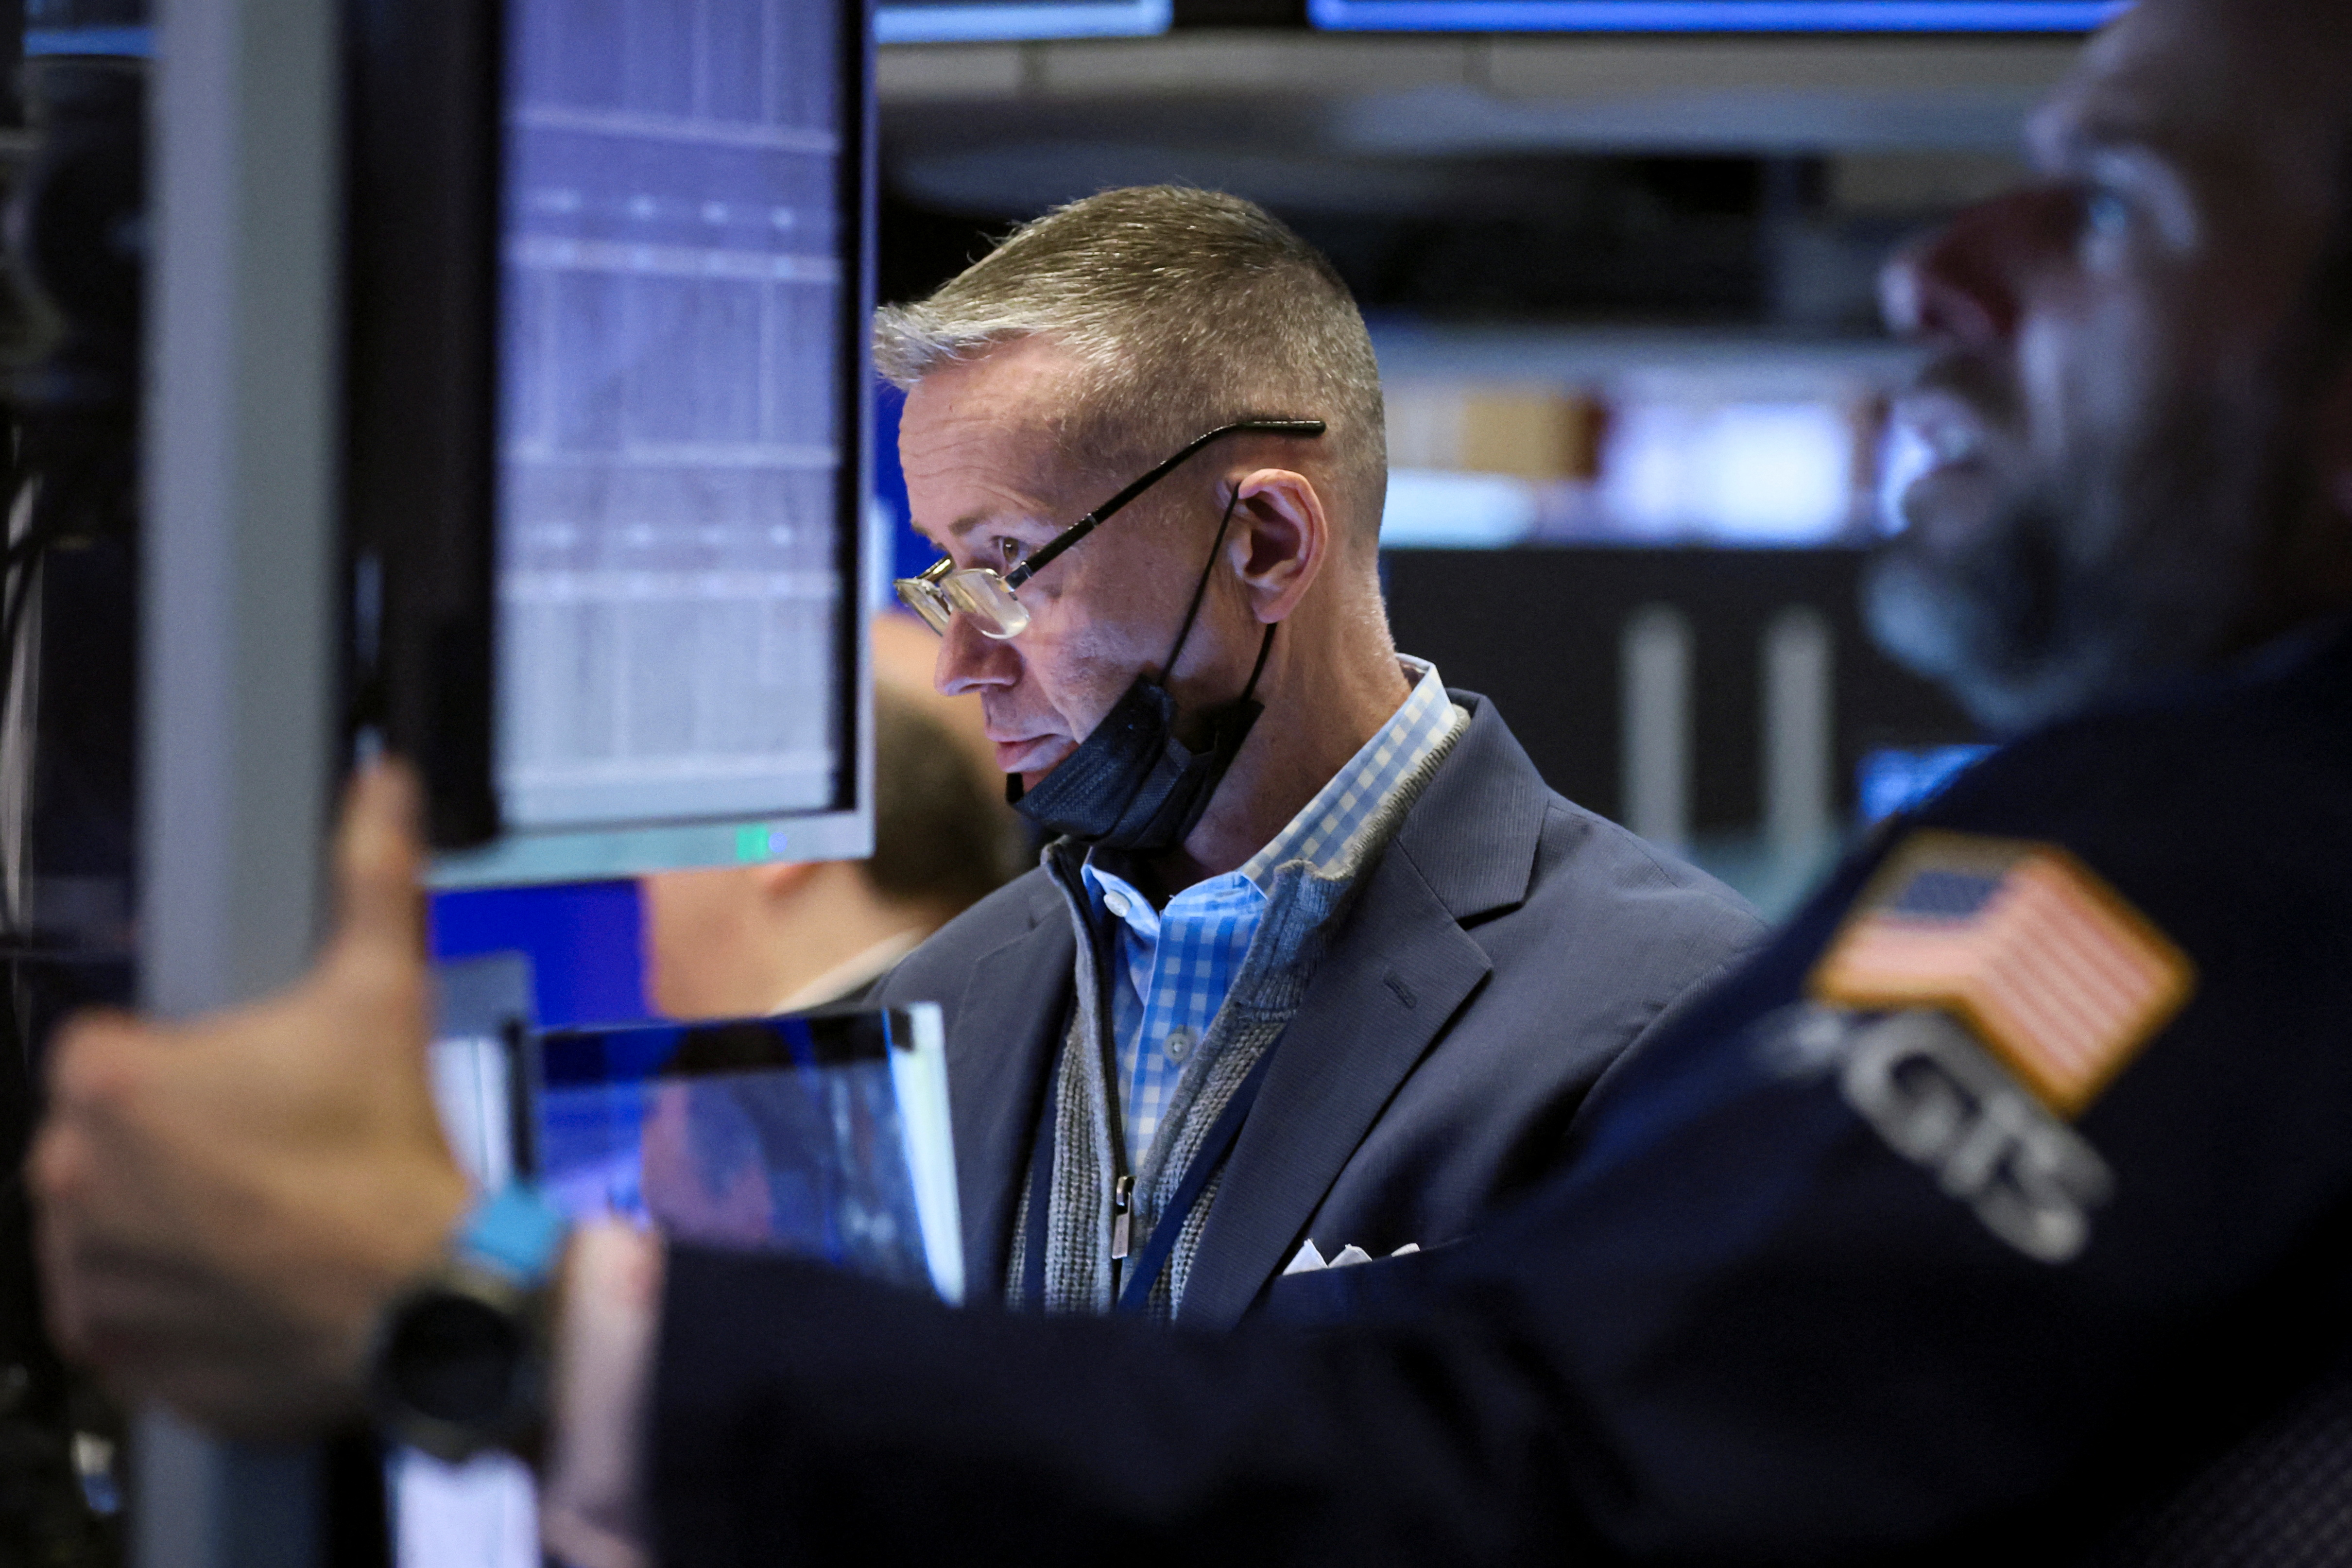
1282, 541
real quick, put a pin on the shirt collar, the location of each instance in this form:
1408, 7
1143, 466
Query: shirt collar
1324, 826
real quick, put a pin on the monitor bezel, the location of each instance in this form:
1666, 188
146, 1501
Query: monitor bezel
425, 161
1799, 18
1022, 21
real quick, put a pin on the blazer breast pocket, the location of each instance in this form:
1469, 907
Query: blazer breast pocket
1318, 1298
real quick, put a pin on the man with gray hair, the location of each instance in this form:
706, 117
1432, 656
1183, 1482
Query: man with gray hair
1315, 968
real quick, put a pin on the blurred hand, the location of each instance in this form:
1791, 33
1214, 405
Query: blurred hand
227, 1206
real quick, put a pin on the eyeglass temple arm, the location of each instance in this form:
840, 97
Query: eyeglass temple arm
1101, 514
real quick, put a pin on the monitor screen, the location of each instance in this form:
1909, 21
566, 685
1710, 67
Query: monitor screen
824, 1134
654, 457
1715, 16
980, 21
671, 465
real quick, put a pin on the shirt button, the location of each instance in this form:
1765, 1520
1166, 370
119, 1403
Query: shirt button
1179, 1044
1116, 904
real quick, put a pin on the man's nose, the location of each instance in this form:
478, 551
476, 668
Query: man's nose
969, 661
1960, 286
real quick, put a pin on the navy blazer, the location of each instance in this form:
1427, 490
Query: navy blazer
1508, 947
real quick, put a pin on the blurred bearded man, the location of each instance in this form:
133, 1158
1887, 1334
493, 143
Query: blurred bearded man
2111, 496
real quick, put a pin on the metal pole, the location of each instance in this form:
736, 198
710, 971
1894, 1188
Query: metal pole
1799, 702
236, 750
1656, 653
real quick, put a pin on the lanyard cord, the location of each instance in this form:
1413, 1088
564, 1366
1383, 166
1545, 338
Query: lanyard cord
1137, 1293
1133, 1293
1122, 1186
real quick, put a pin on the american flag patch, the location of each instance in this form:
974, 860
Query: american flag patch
2052, 969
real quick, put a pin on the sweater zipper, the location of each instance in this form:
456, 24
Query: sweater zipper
1122, 1194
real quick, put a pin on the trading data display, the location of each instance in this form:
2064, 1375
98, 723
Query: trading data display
977, 21
1718, 15
675, 463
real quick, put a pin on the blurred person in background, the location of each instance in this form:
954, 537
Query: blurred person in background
737, 941
1997, 1212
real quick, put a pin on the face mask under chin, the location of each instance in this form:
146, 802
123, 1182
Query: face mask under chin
1131, 785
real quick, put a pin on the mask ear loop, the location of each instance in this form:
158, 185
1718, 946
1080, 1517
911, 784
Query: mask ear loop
1168, 665
1265, 644
1233, 723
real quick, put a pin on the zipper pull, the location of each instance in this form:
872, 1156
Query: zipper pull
1121, 1191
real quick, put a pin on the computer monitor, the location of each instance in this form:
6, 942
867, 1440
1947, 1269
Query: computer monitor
984, 21
825, 1135
1715, 15
608, 282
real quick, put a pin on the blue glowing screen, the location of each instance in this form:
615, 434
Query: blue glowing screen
1715, 16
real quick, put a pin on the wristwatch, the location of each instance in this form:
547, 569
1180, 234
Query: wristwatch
460, 1361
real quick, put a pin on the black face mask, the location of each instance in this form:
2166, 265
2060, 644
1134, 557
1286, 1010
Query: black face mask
1131, 785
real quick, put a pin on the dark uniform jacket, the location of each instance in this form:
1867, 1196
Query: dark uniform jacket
1969, 1278
1505, 948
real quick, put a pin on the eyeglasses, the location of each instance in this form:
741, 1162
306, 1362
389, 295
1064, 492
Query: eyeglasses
941, 592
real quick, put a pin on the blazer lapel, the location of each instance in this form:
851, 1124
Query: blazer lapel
1378, 1000
999, 1041
1399, 971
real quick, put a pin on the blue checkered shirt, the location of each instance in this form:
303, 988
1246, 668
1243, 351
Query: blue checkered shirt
1175, 965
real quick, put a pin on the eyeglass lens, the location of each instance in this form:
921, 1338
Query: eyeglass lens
979, 593
983, 595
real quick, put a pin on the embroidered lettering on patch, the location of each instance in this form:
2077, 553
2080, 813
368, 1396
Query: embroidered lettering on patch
2061, 978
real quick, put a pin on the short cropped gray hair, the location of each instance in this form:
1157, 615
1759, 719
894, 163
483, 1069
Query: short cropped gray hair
1188, 310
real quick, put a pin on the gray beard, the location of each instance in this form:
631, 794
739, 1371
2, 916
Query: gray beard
2073, 593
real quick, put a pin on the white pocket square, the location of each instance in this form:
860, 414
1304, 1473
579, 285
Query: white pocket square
1308, 1258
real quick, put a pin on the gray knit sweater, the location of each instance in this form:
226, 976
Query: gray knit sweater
1303, 906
